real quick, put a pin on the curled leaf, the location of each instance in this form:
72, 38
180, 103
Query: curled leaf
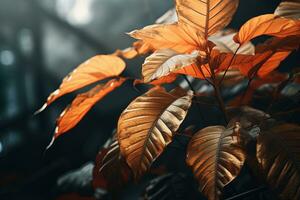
147, 126
216, 158
163, 62
208, 16
278, 151
71, 116
95, 69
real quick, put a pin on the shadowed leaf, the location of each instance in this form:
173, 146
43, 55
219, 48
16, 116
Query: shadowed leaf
216, 158
278, 153
289, 9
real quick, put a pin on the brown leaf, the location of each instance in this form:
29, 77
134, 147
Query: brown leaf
289, 9
182, 39
165, 61
95, 69
278, 153
147, 126
71, 116
111, 170
216, 158
128, 53
268, 24
208, 16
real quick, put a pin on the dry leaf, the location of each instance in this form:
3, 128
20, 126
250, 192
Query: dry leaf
95, 69
207, 16
182, 39
278, 153
147, 126
289, 9
82, 104
216, 158
165, 61
268, 24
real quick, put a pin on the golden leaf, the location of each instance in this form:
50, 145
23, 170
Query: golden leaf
182, 39
216, 158
95, 69
289, 9
207, 16
82, 104
147, 126
165, 61
278, 151
268, 24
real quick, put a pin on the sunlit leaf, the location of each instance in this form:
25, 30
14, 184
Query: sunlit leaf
82, 104
147, 126
182, 39
207, 16
165, 61
268, 24
111, 170
289, 9
95, 69
278, 153
216, 158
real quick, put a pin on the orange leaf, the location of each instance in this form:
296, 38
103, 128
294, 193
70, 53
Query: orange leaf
163, 80
268, 24
127, 53
207, 16
95, 69
82, 104
182, 39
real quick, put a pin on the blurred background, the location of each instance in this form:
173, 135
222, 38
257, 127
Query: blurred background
41, 41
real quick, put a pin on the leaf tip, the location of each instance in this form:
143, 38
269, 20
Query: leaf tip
41, 109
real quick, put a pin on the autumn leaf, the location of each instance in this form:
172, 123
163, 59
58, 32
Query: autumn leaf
111, 170
289, 9
147, 126
165, 61
82, 104
268, 24
95, 69
182, 39
278, 151
216, 158
208, 16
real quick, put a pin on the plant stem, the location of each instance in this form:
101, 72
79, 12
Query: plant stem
220, 101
